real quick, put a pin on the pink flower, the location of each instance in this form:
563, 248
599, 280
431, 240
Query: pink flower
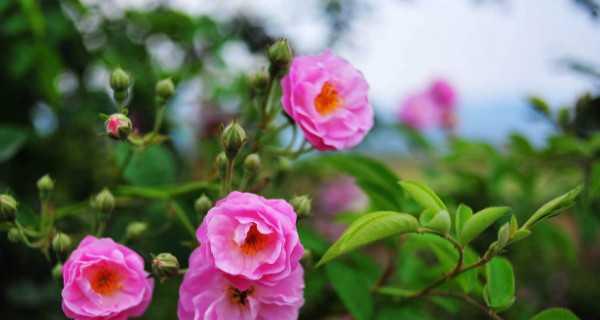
339, 195
104, 280
207, 293
443, 93
118, 126
420, 112
251, 237
327, 97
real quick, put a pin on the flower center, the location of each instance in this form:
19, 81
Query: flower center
328, 100
239, 297
254, 242
105, 281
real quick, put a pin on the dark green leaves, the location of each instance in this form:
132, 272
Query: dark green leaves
353, 289
553, 207
423, 195
499, 291
555, 314
11, 140
479, 222
150, 167
369, 228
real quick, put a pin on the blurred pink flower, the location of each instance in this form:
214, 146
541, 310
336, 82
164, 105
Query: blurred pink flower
328, 98
336, 196
436, 106
104, 280
251, 237
208, 293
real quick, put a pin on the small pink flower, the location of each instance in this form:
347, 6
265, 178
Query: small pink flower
328, 98
251, 237
420, 112
443, 93
208, 293
104, 280
118, 126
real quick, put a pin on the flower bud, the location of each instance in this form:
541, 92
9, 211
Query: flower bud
45, 184
119, 80
504, 235
104, 201
14, 235
136, 229
221, 164
307, 258
280, 56
57, 271
233, 138
118, 126
165, 265
8, 208
202, 205
302, 205
61, 242
164, 90
260, 81
252, 163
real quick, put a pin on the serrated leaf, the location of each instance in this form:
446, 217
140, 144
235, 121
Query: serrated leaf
11, 141
553, 207
423, 195
481, 221
353, 290
463, 214
369, 228
499, 290
555, 314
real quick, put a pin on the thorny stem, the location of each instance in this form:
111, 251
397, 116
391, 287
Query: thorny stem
468, 299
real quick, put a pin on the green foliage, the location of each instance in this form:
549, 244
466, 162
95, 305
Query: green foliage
11, 140
553, 208
352, 288
369, 228
480, 221
499, 290
555, 314
423, 195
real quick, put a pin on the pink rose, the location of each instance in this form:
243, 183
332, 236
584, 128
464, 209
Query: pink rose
208, 293
104, 280
251, 237
327, 97
443, 93
420, 112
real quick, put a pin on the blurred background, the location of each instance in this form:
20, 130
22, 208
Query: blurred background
522, 125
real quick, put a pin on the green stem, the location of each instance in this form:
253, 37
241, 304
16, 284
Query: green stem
160, 114
183, 218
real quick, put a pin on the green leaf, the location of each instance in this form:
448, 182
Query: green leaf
423, 195
440, 222
151, 167
373, 177
463, 214
555, 314
11, 141
499, 291
353, 290
553, 207
481, 221
369, 228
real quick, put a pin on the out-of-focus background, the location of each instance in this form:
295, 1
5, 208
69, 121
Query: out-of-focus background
494, 149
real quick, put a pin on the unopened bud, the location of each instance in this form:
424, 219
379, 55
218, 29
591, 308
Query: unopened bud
307, 258
252, 163
45, 184
165, 265
136, 229
14, 235
104, 201
504, 235
164, 90
8, 208
61, 242
118, 126
302, 205
280, 56
202, 205
57, 271
119, 80
233, 138
221, 164
260, 81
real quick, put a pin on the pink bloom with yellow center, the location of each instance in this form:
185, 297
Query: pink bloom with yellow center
104, 280
328, 98
208, 293
252, 238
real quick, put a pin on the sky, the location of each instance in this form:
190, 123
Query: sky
495, 54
